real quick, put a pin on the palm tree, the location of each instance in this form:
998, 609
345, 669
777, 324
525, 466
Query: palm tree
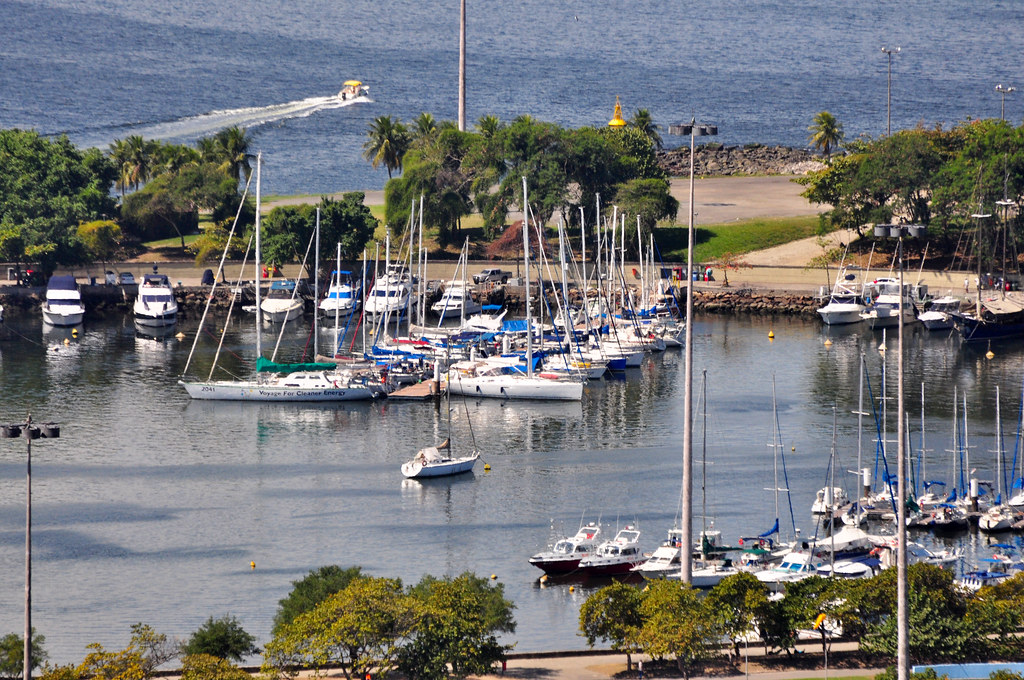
119, 153
139, 161
488, 126
424, 128
388, 141
233, 151
643, 121
826, 133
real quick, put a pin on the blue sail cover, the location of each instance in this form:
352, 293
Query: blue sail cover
514, 326
773, 530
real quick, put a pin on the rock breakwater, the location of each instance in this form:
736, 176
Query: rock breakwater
751, 159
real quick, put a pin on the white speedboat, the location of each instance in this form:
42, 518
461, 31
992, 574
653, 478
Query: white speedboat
666, 559
845, 303
999, 518
939, 315
456, 301
566, 554
353, 89
884, 309
342, 298
436, 461
391, 292
63, 304
828, 501
616, 556
155, 305
282, 303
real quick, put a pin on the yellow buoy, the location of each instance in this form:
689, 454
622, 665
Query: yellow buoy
771, 335
617, 119
572, 589
828, 343
66, 341
792, 448
487, 467
252, 564
544, 578
180, 336
990, 354
494, 576
74, 332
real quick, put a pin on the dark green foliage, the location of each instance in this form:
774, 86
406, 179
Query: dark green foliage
650, 200
223, 638
47, 186
12, 654
456, 632
287, 230
311, 590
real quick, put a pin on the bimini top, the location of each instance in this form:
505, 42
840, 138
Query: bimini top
353, 83
62, 282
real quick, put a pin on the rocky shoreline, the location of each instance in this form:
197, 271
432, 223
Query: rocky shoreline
102, 302
750, 159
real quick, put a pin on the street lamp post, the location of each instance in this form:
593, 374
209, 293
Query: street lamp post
694, 130
1003, 90
888, 91
28, 431
902, 614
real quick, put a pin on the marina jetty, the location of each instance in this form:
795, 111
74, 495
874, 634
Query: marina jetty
750, 159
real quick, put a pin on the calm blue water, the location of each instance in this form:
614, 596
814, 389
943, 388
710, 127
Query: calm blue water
103, 69
150, 507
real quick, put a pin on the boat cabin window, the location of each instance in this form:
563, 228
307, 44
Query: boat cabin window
563, 547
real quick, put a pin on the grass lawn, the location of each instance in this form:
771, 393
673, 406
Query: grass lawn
736, 238
170, 242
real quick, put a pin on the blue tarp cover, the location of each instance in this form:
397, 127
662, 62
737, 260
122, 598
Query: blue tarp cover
62, 282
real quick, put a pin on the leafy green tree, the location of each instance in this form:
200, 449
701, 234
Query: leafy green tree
826, 133
223, 638
648, 198
147, 651
899, 172
387, 142
12, 654
311, 590
172, 158
738, 599
47, 187
613, 615
939, 616
287, 230
644, 122
12, 245
488, 126
360, 629
101, 239
456, 628
139, 161
809, 598
207, 667
678, 622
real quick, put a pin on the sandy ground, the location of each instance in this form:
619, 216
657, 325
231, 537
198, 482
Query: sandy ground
716, 200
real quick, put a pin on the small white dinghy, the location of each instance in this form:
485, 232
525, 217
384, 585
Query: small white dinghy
434, 461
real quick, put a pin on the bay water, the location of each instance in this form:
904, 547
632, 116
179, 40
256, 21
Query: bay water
101, 70
150, 507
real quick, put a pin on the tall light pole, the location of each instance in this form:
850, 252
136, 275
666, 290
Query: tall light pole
902, 611
888, 91
694, 130
28, 431
1003, 90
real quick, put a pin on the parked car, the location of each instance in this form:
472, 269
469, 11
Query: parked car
492, 275
126, 279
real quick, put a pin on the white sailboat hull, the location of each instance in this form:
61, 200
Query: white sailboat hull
414, 469
255, 391
514, 387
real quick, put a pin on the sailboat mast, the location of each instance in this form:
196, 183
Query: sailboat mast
259, 316
999, 450
316, 289
526, 272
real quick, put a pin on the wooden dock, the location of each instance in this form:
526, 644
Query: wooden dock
418, 392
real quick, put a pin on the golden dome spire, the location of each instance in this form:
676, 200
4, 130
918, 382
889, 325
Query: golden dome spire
617, 120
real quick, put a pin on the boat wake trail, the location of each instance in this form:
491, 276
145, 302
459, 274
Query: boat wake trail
192, 128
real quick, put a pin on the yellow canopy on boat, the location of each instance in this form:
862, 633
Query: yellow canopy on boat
353, 83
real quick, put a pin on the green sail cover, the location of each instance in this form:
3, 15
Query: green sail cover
268, 366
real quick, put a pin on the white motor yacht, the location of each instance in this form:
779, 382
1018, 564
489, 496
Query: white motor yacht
566, 554
884, 309
63, 304
391, 292
500, 380
456, 301
342, 298
282, 303
155, 305
939, 315
845, 303
665, 560
616, 556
